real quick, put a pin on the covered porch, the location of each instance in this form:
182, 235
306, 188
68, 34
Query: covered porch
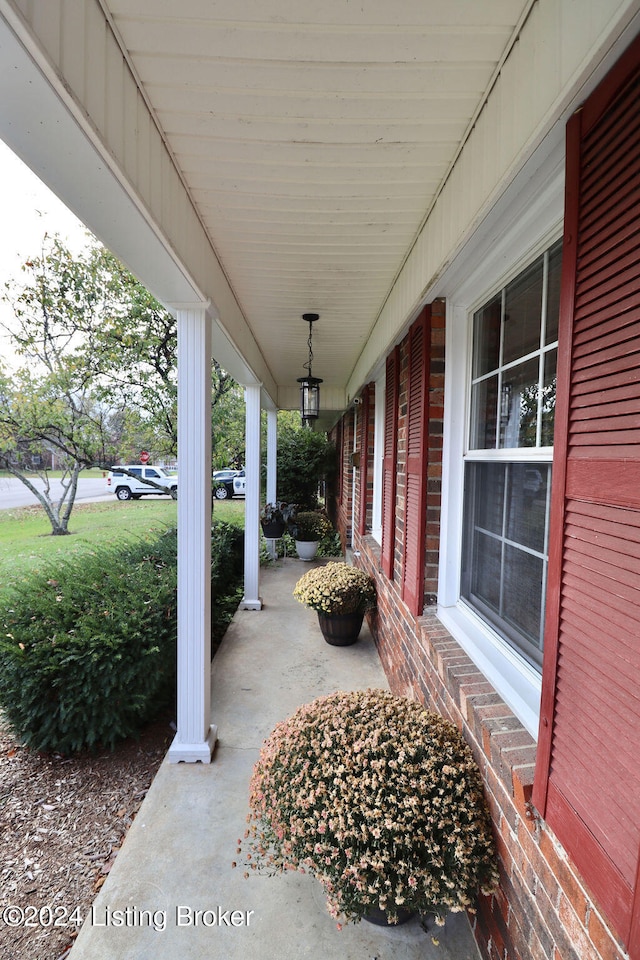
177, 857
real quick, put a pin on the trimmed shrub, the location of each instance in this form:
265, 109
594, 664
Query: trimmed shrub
88, 651
305, 460
227, 571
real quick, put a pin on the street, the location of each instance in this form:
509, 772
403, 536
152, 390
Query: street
13, 492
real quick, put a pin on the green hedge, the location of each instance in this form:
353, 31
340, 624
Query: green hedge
88, 650
227, 571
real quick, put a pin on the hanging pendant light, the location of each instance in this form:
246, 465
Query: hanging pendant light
309, 385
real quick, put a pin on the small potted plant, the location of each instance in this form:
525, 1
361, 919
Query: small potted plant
274, 518
378, 798
341, 595
307, 529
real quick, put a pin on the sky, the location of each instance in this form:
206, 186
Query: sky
28, 210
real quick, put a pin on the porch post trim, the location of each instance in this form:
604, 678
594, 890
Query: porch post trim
195, 738
251, 599
272, 468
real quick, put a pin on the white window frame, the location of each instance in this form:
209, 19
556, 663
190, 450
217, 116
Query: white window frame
378, 456
508, 249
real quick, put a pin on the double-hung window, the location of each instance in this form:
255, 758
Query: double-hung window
507, 471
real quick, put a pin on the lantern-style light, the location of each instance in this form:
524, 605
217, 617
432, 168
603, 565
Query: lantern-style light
309, 385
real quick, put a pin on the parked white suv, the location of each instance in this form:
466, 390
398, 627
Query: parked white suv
132, 488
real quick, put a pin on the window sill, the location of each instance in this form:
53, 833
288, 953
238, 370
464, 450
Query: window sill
518, 683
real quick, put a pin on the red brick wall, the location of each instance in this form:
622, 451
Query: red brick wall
542, 911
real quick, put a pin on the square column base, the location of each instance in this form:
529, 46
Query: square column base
251, 604
180, 752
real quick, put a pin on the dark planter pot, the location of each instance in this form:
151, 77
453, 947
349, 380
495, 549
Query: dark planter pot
340, 629
380, 918
274, 529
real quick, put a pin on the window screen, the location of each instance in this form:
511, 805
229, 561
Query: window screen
508, 464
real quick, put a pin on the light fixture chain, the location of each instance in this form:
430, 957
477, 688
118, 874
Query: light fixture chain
307, 365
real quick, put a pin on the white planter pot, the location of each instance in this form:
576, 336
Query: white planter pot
307, 549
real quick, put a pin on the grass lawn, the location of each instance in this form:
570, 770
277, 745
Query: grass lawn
26, 544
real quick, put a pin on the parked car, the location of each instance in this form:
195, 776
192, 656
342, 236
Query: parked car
227, 487
224, 475
128, 487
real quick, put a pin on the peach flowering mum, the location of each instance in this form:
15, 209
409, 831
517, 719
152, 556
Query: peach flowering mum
378, 798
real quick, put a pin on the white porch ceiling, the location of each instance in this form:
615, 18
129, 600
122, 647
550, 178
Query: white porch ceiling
313, 139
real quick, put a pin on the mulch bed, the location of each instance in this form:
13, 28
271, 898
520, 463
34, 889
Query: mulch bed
62, 822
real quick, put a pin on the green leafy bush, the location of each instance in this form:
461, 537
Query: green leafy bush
305, 460
227, 570
310, 525
88, 650
329, 546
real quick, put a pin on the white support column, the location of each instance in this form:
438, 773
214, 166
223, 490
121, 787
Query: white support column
251, 599
272, 466
196, 737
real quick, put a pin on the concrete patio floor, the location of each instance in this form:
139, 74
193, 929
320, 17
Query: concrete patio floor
177, 857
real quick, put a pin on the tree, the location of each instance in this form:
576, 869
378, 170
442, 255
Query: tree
134, 351
98, 373
50, 405
305, 460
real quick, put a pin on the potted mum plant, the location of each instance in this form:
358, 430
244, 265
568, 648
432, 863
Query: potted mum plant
341, 594
307, 529
378, 798
274, 518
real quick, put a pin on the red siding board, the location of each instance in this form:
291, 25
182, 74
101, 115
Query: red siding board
593, 314
618, 329
614, 263
590, 859
600, 389
602, 453
617, 360
588, 775
611, 242
602, 534
604, 214
614, 179
606, 514
595, 318
587, 686
615, 481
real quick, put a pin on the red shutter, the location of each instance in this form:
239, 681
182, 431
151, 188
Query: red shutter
390, 464
588, 772
416, 483
340, 446
364, 459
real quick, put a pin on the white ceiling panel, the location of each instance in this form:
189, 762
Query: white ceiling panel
313, 140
